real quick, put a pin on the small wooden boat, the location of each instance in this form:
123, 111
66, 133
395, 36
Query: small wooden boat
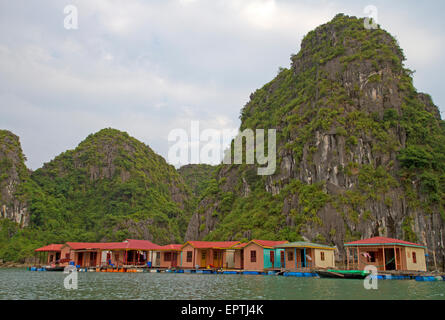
343, 274
55, 268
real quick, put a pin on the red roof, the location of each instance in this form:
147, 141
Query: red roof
240, 246
267, 243
212, 244
141, 245
90, 245
50, 247
129, 244
172, 247
383, 241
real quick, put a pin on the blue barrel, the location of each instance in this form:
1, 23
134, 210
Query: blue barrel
420, 278
149, 264
230, 272
296, 274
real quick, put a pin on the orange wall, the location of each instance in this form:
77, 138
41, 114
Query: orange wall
186, 264
197, 257
168, 264
290, 264
259, 264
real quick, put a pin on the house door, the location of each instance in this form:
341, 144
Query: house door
390, 259
282, 259
242, 259
174, 259
272, 259
158, 259
302, 259
93, 258
203, 259
80, 258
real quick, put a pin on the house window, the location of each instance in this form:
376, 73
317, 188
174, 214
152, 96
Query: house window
290, 256
272, 256
189, 256
371, 257
322, 255
253, 256
167, 256
67, 256
215, 255
414, 258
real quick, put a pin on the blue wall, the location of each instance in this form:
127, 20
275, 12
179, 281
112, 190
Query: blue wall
268, 263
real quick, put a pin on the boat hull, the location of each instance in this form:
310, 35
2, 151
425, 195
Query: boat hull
340, 275
59, 269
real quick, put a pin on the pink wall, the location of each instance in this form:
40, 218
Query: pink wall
259, 264
168, 264
186, 264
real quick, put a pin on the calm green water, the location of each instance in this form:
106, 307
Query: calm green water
22, 284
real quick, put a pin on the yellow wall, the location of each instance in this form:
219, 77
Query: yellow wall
420, 255
329, 258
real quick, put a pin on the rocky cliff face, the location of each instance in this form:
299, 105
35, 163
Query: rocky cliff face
13, 173
360, 151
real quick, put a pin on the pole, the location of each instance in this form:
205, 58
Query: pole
305, 258
395, 256
384, 260
358, 258
434, 256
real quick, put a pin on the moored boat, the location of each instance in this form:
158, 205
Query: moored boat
343, 274
54, 268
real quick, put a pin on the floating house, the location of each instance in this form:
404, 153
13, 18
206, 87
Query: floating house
94, 254
170, 256
132, 252
301, 255
262, 254
386, 254
84, 254
53, 252
206, 254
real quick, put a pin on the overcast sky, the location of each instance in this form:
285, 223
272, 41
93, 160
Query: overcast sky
147, 67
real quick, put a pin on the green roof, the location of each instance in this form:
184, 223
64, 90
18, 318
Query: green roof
304, 244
